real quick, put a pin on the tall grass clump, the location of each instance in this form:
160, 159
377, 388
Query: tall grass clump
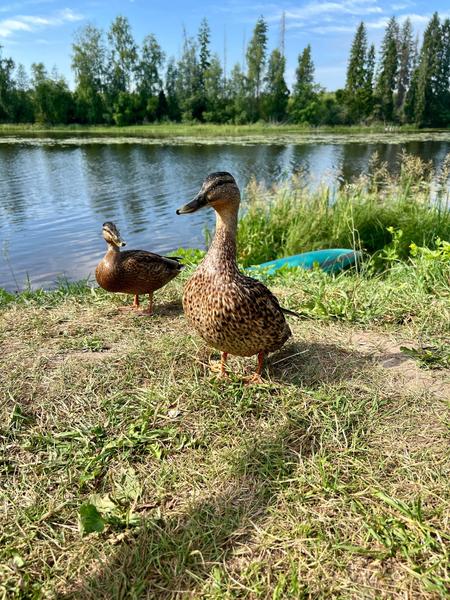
291, 217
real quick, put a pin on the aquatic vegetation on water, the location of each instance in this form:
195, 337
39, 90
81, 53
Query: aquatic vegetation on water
184, 136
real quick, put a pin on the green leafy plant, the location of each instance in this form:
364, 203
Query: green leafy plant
115, 509
430, 357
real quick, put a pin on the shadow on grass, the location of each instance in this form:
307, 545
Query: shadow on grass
310, 364
169, 309
179, 553
175, 555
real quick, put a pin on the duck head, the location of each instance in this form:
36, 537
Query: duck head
111, 235
219, 190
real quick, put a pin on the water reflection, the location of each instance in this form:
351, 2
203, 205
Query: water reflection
53, 199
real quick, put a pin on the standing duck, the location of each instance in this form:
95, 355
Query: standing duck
233, 313
133, 271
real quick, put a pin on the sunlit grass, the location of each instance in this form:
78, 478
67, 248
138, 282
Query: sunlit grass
329, 481
290, 218
167, 130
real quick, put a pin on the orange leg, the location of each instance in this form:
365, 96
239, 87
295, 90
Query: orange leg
256, 377
134, 306
219, 368
223, 362
149, 310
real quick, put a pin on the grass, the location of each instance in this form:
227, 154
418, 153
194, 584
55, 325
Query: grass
128, 471
379, 213
207, 130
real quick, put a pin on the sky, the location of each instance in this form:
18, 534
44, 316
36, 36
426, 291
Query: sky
43, 30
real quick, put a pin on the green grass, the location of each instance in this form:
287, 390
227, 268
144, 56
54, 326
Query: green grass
129, 471
164, 130
378, 213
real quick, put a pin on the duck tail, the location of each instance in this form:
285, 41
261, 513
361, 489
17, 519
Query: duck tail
177, 258
287, 311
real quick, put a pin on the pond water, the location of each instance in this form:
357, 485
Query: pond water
55, 195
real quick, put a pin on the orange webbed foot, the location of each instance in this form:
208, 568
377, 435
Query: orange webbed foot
254, 379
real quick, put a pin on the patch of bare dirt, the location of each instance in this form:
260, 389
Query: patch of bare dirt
385, 350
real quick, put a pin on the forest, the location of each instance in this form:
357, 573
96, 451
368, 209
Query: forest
118, 82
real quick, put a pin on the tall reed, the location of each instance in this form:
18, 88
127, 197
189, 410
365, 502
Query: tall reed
291, 217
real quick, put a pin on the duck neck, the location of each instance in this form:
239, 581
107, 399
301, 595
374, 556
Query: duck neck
112, 251
223, 247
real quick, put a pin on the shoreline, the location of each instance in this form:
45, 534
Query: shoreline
86, 138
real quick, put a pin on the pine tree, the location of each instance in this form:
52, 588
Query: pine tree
356, 82
6, 86
204, 62
368, 95
387, 76
189, 89
276, 90
411, 95
204, 34
443, 77
256, 60
428, 74
304, 91
405, 66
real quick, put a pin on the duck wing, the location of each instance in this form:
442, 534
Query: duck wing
177, 258
144, 262
263, 293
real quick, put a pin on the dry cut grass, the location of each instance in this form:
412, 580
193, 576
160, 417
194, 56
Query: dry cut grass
330, 481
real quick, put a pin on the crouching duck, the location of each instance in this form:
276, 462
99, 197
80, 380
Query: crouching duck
133, 271
233, 313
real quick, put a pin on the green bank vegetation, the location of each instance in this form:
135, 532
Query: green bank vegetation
379, 213
258, 130
127, 470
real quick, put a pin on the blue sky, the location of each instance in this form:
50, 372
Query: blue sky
42, 30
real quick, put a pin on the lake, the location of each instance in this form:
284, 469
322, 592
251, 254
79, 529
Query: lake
56, 193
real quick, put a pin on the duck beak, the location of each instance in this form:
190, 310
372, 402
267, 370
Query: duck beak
198, 202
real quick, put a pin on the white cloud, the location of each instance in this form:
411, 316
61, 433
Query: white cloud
402, 5
312, 11
32, 23
418, 20
378, 24
9, 26
6, 8
348, 7
324, 29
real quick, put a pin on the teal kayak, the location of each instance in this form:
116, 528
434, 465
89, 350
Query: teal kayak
331, 260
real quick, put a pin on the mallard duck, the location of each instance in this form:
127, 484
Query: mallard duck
233, 313
133, 271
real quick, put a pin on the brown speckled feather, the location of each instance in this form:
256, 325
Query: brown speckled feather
235, 314
135, 271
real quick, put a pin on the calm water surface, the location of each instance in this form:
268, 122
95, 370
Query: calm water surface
54, 198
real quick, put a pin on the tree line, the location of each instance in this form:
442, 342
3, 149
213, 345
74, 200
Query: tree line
118, 82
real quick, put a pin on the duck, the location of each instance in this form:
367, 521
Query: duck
133, 271
232, 312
